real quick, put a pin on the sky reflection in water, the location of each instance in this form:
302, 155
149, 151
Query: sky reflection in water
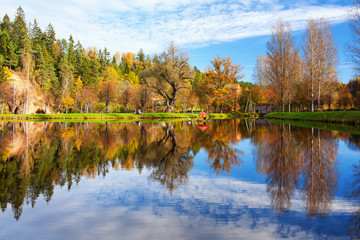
234, 180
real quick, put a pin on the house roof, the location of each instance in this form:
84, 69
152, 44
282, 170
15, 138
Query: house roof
202, 114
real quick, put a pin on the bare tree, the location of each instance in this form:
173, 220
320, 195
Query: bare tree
320, 55
282, 59
260, 70
354, 48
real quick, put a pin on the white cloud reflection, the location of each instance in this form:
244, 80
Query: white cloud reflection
127, 205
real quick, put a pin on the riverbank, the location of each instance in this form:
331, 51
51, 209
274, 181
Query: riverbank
121, 116
345, 117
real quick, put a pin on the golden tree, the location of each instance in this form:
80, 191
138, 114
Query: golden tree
219, 75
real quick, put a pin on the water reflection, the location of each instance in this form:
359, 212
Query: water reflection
36, 157
354, 196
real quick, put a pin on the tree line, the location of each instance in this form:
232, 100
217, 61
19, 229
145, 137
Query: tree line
76, 79
91, 80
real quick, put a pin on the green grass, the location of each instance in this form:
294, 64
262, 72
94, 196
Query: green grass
346, 117
98, 117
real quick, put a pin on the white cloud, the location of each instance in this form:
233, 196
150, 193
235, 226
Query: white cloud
152, 24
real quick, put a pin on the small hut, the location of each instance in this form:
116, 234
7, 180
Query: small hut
202, 116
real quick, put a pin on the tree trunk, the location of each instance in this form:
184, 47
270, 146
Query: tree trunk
170, 106
192, 109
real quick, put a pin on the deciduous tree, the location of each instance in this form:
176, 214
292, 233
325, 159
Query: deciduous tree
169, 75
219, 75
320, 55
282, 62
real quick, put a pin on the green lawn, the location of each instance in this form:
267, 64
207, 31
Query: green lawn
119, 116
348, 117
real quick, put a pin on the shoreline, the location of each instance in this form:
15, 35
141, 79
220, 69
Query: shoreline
119, 116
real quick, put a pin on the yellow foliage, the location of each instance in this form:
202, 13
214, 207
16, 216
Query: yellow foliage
111, 74
133, 78
67, 134
68, 101
128, 58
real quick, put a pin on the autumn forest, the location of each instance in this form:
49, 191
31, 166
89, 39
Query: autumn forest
71, 78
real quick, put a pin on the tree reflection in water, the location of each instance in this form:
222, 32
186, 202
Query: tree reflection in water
285, 153
280, 159
354, 196
320, 173
35, 157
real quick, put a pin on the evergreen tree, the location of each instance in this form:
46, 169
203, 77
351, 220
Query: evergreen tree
36, 34
71, 53
6, 25
4, 42
50, 40
19, 32
12, 56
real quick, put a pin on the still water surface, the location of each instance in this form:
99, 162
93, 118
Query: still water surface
230, 179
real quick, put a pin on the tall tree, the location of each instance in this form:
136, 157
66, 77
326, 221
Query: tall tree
66, 79
320, 55
108, 92
19, 32
219, 76
354, 48
169, 75
6, 25
282, 57
260, 70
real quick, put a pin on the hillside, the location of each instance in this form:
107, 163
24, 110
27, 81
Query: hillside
36, 96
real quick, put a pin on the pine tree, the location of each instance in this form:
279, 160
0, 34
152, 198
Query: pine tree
71, 53
50, 40
6, 25
36, 34
19, 32
12, 56
4, 42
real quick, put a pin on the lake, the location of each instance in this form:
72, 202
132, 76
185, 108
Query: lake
223, 179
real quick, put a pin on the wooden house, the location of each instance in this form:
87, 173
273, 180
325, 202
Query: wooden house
202, 116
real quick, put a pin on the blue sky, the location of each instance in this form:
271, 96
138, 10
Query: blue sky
203, 28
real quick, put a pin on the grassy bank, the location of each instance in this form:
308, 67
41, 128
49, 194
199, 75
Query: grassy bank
118, 116
345, 117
